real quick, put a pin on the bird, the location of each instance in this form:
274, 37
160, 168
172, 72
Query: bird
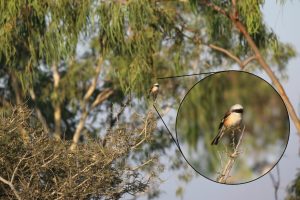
231, 120
154, 91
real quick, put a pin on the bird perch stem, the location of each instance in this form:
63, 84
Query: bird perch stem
222, 178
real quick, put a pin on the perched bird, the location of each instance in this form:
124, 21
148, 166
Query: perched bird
154, 91
231, 120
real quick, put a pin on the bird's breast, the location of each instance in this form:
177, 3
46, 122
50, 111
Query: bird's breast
233, 119
155, 89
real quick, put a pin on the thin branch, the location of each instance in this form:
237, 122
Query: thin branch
57, 109
105, 94
143, 164
16, 88
100, 98
92, 87
226, 171
46, 163
226, 52
241, 63
11, 187
247, 61
117, 116
78, 130
276, 183
144, 130
16, 168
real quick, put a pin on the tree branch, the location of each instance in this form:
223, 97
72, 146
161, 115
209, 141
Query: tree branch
11, 187
242, 64
94, 82
226, 171
142, 165
270, 73
234, 12
275, 183
57, 109
16, 88
16, 168
226, 52
234, 18
100, 98
247, 61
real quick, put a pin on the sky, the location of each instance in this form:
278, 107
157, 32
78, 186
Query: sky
283, 20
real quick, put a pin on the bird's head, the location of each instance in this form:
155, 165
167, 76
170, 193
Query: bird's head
156, 85
237, 108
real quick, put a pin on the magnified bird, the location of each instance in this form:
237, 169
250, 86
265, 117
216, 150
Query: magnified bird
231, 120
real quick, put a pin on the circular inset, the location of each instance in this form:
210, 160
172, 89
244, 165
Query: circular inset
232, 127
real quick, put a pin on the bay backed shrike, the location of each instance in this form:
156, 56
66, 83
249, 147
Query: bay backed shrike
231, 120
154, 91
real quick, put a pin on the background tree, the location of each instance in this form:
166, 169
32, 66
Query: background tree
293, 189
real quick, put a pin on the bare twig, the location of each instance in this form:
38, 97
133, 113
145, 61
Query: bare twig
143, 164
117, 116
16, 168
233, 140
11, 187
62, 172
49, 161
276, 183
226, 171
143, 132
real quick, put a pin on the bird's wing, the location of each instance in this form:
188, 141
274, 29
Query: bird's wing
150, 90
225, 116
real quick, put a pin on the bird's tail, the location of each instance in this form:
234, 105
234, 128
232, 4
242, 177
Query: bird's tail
217, 138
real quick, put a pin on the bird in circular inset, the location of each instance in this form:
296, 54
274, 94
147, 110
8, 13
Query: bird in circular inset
231, 120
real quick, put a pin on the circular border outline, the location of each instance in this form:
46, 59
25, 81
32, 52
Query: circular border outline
289, 128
